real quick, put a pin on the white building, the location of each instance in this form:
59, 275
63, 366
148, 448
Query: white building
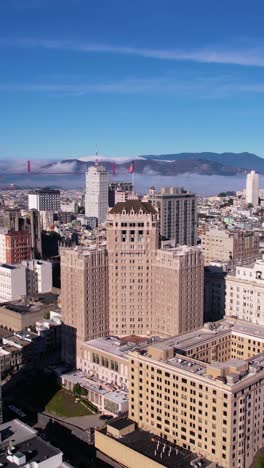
12, 282
39, 276
252, 188
96, 196
44, 200
245, 292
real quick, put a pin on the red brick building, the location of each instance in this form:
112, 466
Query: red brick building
18, 246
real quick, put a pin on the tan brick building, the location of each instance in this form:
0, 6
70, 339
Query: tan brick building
203, 391
223, 245
132, 242
84, 298
178, 290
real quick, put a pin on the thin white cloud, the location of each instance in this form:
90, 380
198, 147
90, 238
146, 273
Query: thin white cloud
246, 56
201, 86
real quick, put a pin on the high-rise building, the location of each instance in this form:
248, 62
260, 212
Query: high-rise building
132, 242
229, 246
177, 210
252, 188
84, 298
96, 195
245, 292
44, 200
38, 276
178, 290
203, 391
214, 291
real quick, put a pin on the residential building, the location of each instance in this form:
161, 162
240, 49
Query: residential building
245, 292
44, 200
177, 214
84, 298
178, 276
229, 246
132, 242
252, 188
38, 276
203, 391
12, 282
96, 195
15, 246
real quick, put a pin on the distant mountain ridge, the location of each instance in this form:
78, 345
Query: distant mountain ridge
207, 163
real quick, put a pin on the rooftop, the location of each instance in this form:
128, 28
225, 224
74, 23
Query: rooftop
136, 206
118, 346
156, 449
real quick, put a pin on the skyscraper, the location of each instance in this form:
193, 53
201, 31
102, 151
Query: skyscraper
252, 188
178, 290
132, 242
177, 214
84, 298
96, 196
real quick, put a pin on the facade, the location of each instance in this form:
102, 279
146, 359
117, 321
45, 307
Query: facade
35, 231
252, 188
15, 246
39, 276
18, 317
44, 200
12, 282
177, 214
214, 291
115, 188
132, 242
229, 246
96, 195
245, 293
203, 391
84, 298
106, 359
178, 277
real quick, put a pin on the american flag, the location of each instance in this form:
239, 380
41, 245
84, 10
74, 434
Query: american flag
131, 168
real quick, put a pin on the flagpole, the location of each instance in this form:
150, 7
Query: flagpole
133, 181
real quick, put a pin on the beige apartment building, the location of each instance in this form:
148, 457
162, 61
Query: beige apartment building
178, 277
203, 391
84, 298
223, 245
132, 242
245, 292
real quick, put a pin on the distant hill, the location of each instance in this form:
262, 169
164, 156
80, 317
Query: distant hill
226, 164
239, 160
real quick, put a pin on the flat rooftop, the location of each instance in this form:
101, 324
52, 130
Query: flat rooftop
118, 346
209, 332
152, 447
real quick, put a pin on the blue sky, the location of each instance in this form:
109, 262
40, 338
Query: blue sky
135, 77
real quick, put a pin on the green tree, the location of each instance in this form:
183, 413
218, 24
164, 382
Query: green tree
76, 389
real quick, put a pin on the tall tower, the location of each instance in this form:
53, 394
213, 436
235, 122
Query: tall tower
132, 242
252, 188
84, 298
96, 195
